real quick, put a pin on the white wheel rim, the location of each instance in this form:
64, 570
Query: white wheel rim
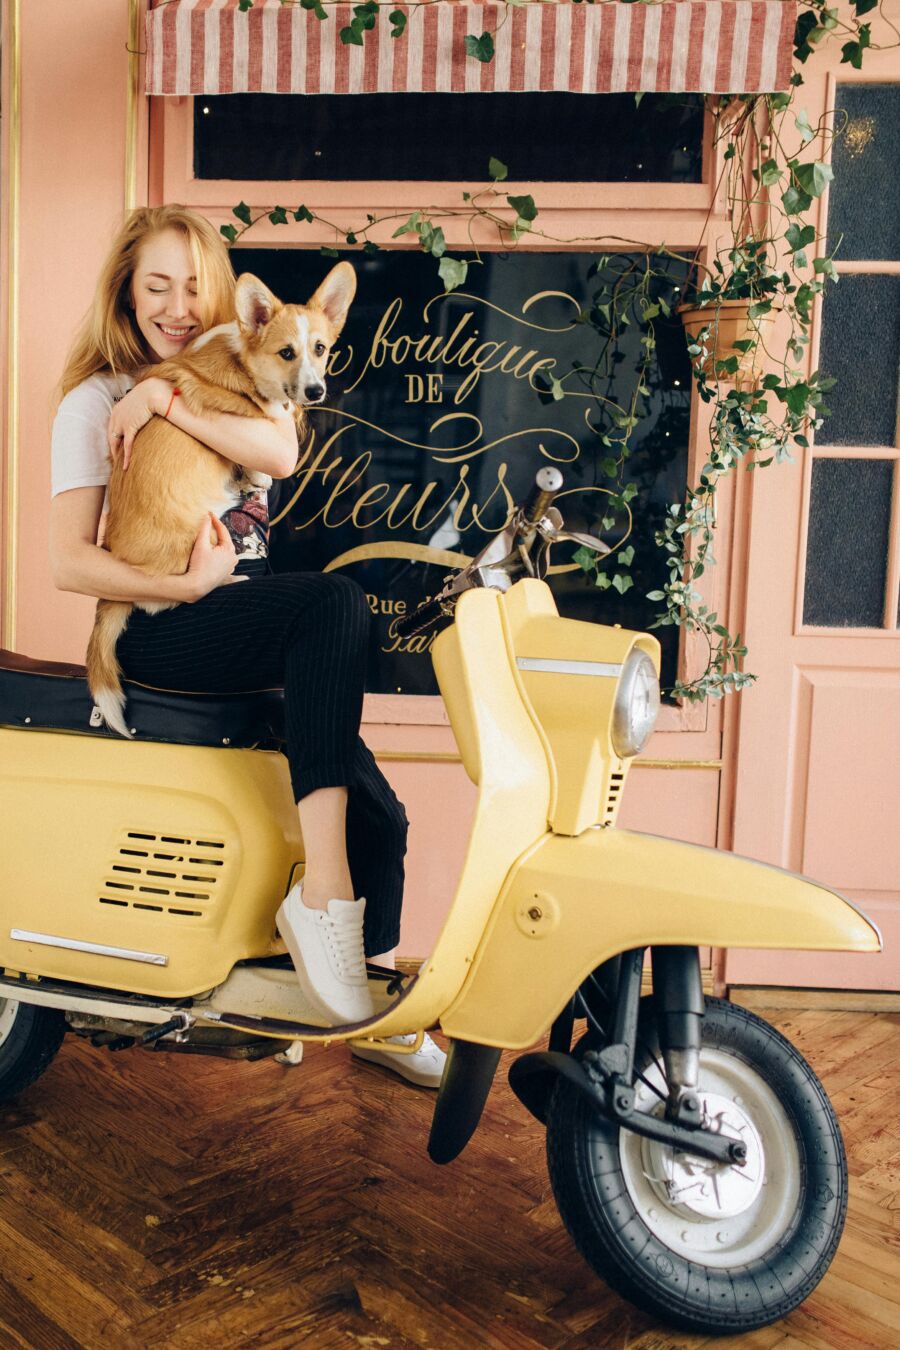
716, 1214
9, 1010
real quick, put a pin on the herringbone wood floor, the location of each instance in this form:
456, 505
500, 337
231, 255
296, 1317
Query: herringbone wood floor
168, 1201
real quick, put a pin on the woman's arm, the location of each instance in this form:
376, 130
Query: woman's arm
79, 564
267, 445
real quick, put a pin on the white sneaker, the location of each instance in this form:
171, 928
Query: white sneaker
326, 947
425, 1067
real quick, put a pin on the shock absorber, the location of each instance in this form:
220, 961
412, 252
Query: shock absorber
679, 1002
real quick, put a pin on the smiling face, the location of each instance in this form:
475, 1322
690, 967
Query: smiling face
164, 294
288, 345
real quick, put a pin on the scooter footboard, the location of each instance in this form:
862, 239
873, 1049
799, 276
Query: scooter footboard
574, 902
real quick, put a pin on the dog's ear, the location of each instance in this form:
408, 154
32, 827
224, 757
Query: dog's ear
335, 294
254, 303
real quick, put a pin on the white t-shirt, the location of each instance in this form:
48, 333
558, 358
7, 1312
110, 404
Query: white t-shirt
79, 453
79, 450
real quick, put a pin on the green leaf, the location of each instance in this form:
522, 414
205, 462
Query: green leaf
622, 582
303, 213
853, 51
350, 237
371, 247
316, 7
278, 216
602, 580
626, 556
584, 557
813, 178
863, 6
328, 252
799, 238
801, 122
452, 272
244, 5
769, 173
481, 48
410, 227
398, 19
243, 213
497, 170
807, 23
229, 231
556, 389
436, 243
524, 207
795, 202
352, 36
796, 396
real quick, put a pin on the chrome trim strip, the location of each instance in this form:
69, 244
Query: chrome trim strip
95, 948
551, 667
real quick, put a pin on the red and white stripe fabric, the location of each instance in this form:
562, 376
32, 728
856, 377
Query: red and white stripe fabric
705, 46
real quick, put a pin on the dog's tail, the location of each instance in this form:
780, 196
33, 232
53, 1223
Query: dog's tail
104, 674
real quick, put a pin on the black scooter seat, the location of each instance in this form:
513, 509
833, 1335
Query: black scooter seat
53, 696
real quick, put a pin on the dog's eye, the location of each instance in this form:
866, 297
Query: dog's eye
287, 353
320, 349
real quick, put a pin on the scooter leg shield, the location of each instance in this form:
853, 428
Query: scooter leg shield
572, 903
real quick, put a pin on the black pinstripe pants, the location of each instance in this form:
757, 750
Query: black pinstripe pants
307, 632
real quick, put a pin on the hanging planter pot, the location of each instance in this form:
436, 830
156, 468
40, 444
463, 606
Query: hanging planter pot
729, 323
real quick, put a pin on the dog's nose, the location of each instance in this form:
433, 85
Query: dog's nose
314, 392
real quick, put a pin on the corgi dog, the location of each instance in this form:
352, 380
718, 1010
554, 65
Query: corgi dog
270, 359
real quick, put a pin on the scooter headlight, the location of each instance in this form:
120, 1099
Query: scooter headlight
636, 706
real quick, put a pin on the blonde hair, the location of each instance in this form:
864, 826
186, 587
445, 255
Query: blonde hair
109, 339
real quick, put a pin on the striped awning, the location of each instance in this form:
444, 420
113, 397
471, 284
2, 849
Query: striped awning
705, 46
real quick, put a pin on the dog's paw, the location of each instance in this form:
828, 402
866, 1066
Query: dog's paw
257, 480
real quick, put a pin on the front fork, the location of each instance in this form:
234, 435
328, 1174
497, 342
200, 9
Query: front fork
679, 1005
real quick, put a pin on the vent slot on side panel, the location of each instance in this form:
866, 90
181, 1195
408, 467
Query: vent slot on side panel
137, 881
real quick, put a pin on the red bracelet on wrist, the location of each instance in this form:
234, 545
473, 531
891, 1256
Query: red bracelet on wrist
175, 393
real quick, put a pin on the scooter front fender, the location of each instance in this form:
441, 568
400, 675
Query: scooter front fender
571, 903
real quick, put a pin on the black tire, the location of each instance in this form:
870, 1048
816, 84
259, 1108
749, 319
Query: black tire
792, 1230
29, 1038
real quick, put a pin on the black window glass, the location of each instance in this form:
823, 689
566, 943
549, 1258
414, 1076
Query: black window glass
861, 347
847, 548
418, 453
542, 137
864, 199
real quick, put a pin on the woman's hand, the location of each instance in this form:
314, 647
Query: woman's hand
149, 398
211, 563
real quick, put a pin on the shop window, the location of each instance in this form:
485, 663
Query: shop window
847, 549
438, 416
860, 347
547, 137
864, 204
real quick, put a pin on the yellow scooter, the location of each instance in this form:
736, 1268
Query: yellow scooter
693, 1153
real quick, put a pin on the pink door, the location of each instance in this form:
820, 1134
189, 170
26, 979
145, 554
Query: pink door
817, 783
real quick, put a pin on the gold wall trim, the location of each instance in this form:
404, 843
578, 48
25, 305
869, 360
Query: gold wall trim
131, 104
451, 757
13, 163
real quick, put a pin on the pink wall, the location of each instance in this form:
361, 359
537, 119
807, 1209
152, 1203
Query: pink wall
72, 195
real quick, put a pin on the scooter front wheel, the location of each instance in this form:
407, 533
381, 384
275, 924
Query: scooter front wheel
29, 1038
709, 1247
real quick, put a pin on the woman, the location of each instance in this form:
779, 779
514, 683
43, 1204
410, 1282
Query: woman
168, 278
